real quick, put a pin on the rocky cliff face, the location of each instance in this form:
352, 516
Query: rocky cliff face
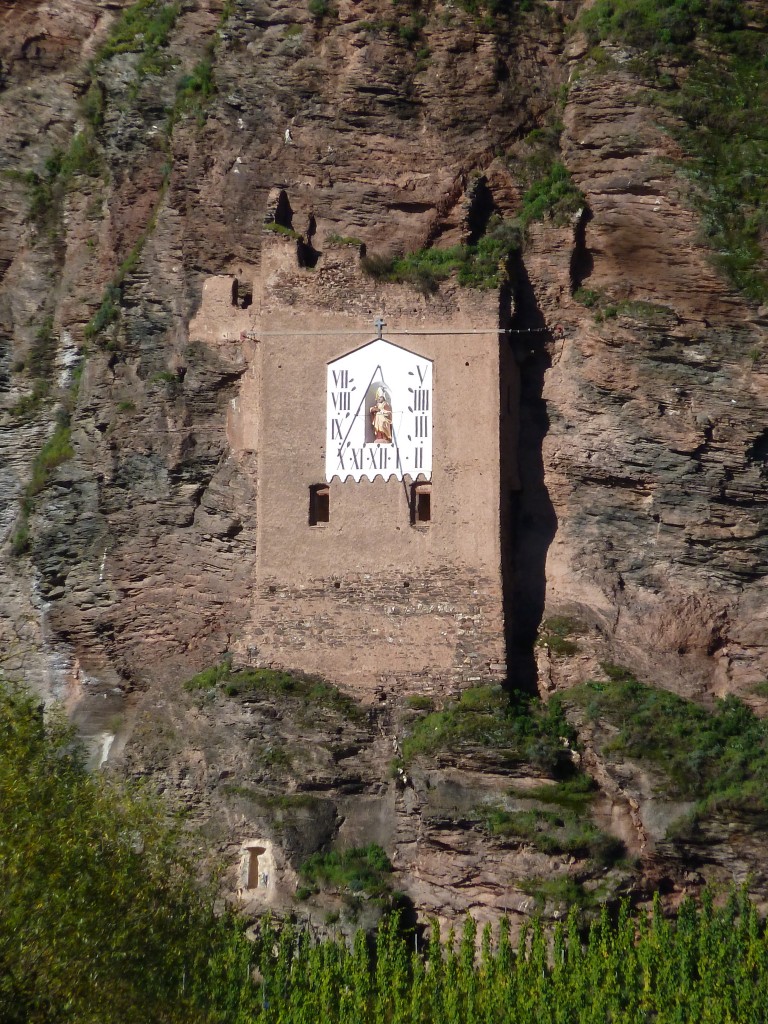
138, 158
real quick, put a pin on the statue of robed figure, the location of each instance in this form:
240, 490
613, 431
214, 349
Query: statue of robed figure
381, 417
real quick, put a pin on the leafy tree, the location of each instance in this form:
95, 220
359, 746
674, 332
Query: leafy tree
100, 916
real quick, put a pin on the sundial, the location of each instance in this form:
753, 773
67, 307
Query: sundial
379, 412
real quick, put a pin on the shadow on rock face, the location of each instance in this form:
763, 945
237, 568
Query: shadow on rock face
528, 517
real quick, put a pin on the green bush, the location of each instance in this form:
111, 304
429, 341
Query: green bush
521, 729
552, 197
657, 26
718, 757
94, 104
194, 90
565, 829
107, 314
574, 794
164, 377
725, 134
308, 690
336, 239
483, 266
280, 229
359, 870
662, 26
650, 313
410, 29
57, 449
45, 191
144, 26
28, 405
40, 193
21, 538
82, 157
554, 634
617, 673
420, 702
556, 832
496, 12
209, 677
564, 891
199, 82
486, 263
587, 297
276, 757
425, 268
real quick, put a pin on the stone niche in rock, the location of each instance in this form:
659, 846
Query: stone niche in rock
279, 209
242, 293
257, 867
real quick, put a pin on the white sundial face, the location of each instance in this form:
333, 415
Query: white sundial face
379, 414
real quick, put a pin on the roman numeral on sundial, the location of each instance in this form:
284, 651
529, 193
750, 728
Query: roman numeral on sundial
378, 456
342, 400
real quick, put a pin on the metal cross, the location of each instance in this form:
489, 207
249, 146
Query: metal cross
379, 323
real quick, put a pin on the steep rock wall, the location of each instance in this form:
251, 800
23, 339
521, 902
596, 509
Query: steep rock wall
642, 508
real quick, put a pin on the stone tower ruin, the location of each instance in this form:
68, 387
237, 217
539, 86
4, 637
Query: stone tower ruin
373, 418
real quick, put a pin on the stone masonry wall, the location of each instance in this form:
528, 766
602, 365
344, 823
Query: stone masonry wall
418, 632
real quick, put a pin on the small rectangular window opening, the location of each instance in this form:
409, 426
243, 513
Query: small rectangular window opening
421, 504
319, 504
